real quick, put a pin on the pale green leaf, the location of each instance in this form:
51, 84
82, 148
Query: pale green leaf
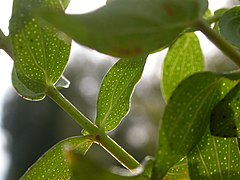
179, 171
186, 117
230, 27
183, 59
40, 53
225, 119
127, 28
53, 164
116, 90
215, 158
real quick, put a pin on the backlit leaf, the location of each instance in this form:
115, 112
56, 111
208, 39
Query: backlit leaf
83, 168
215, 158
183, 59
40, 53
230, 27
179, 171
53, 164
126, 28
186, 117
63, 82
225, 119
116, 90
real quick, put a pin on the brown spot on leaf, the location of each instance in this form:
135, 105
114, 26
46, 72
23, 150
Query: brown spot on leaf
167, 9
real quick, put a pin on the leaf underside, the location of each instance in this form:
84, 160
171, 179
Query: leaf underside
225, 118
187, 115
129, 27
116, 90
53, 164
183, 59
215, 158
229, 26
40, 52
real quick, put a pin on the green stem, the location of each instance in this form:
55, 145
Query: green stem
56, 96
117, 152
221, 43
5, 44
99, 137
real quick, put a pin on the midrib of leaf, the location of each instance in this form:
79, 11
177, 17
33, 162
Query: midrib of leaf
218, 161
205, 166
177, 59
229, 150
62, 5
190, 102
196, 112
116, 100
34, 59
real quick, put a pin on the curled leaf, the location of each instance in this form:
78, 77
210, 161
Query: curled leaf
127, 28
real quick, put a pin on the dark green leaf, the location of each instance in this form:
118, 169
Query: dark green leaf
230, 27
215, 158
179, 171
183, 59
40, 52
225, 119
126, 28
53, 164
83, 168
116, 90
186, 117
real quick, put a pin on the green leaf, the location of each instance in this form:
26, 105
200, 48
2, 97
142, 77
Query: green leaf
225, 118
116, 90
183, 59
40, 53
127, 28
83, 168
230, 27
186, 117
179, 171
215, 158
53, 164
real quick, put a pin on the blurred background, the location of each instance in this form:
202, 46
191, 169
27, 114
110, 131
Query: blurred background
28, 129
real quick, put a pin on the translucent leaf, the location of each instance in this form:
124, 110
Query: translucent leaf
116, 90
179, 171
183, 59
83, 168
40, 52
186, 117
126, 28
63, 82
230, 27
53, 164
215, 158
225, 119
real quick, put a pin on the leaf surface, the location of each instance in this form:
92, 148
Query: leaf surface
53, 164
83, 168
183, 59
116, 90
40, 52
225, 118
215, 158
186, 117
179, 171
127, 28
230, 27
